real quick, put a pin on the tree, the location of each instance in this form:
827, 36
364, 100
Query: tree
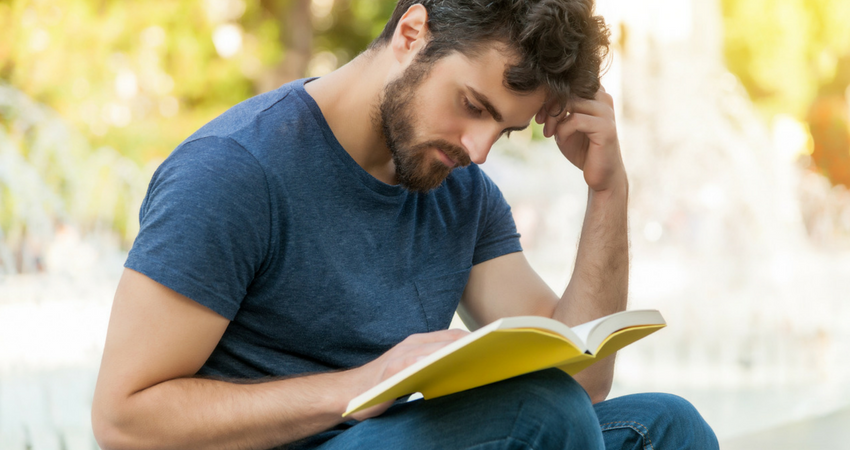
792, 57
130, 80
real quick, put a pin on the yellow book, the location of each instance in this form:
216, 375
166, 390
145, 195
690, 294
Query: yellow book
510, 347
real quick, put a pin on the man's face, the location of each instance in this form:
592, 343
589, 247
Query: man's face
446, 115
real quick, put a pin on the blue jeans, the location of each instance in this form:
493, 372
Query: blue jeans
541, 411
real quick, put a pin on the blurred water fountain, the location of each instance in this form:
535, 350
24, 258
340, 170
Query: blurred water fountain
51, 179
60, 204
721, 243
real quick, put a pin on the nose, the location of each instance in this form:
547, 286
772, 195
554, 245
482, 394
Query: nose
478, 144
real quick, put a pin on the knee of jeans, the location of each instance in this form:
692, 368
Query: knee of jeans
680, 422
675, 407
555, 411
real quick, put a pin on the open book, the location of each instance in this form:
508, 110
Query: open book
510, 347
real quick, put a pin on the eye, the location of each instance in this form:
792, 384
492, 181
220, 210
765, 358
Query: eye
474, 110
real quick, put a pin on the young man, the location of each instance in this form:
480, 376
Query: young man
315, 240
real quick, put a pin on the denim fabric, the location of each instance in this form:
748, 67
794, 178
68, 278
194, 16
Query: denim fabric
540, 411
653, 422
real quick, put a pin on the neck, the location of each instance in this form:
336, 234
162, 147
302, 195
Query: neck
349, 98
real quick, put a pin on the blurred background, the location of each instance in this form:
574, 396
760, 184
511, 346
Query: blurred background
733, 118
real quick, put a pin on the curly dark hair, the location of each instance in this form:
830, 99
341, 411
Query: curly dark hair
560, 44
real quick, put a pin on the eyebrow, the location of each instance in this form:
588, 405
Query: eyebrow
481, 98
486, 103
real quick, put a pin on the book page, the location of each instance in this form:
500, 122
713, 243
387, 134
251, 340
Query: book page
595, 332
583, 331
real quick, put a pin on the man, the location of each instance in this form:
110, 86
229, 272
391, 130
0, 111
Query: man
315, 240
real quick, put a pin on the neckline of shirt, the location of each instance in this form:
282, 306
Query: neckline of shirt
374, 184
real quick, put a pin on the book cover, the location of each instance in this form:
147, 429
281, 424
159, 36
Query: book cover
510, 347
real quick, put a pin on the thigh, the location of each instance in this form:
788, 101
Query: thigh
521, 413
653, 422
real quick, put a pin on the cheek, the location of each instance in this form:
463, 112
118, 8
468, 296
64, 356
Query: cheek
438, 122
454, 119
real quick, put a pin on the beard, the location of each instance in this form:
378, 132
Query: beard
415, 167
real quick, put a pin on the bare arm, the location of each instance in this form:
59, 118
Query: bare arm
587, 137
146, 396
599, 284
508, 286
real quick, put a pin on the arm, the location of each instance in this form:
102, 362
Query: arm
146, 396
508, 286
599, 285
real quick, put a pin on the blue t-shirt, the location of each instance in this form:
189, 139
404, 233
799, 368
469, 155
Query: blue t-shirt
264, 218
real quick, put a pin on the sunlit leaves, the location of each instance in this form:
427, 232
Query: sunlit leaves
783, 50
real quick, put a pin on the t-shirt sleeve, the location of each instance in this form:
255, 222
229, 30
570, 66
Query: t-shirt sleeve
205, 224
498, 235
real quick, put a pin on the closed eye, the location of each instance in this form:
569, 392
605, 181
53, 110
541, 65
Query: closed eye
474, 110
508, 131
477, 112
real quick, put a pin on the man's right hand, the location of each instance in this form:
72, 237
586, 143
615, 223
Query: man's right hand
404, 354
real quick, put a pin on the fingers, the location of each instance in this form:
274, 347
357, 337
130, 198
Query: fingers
594, 127
602, 105
408, 355
552, 106
416, 347
403, 355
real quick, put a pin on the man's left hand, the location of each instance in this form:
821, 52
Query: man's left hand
586, 133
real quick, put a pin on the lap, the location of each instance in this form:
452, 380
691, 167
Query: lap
520, 413
543, 410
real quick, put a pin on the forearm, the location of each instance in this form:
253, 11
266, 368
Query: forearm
213, 414
599, 285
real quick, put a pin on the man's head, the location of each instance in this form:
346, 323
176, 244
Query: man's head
550, 50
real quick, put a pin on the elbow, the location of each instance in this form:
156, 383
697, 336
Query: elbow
106, 433
597, 388
106, 421
598, 379
599, 394
599, 391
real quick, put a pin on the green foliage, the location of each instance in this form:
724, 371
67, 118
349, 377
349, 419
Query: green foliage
784, 51
49, 177
130, 80
140, 76
355, 23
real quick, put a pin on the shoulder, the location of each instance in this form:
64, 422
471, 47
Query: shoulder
208, 172
246, 114
210, 157
237, 141
276, 128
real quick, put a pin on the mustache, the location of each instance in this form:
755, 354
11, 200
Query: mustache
454, 152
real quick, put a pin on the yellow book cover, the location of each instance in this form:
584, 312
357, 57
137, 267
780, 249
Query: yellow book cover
510, 347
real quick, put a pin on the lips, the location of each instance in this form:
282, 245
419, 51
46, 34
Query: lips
450, 155
448, 161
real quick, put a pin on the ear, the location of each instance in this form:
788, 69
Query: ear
410, 34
